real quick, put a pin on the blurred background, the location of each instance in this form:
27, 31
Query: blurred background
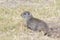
12, 24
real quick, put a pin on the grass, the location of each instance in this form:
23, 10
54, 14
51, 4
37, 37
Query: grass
11, 23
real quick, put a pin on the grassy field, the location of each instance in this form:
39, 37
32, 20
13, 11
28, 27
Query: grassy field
12, 24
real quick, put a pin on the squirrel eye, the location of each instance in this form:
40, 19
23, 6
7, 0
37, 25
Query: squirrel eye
28, 13
24, 13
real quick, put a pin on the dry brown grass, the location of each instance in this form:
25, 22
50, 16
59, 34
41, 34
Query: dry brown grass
12, 25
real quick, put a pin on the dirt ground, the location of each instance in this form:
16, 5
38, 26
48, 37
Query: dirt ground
12, 24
